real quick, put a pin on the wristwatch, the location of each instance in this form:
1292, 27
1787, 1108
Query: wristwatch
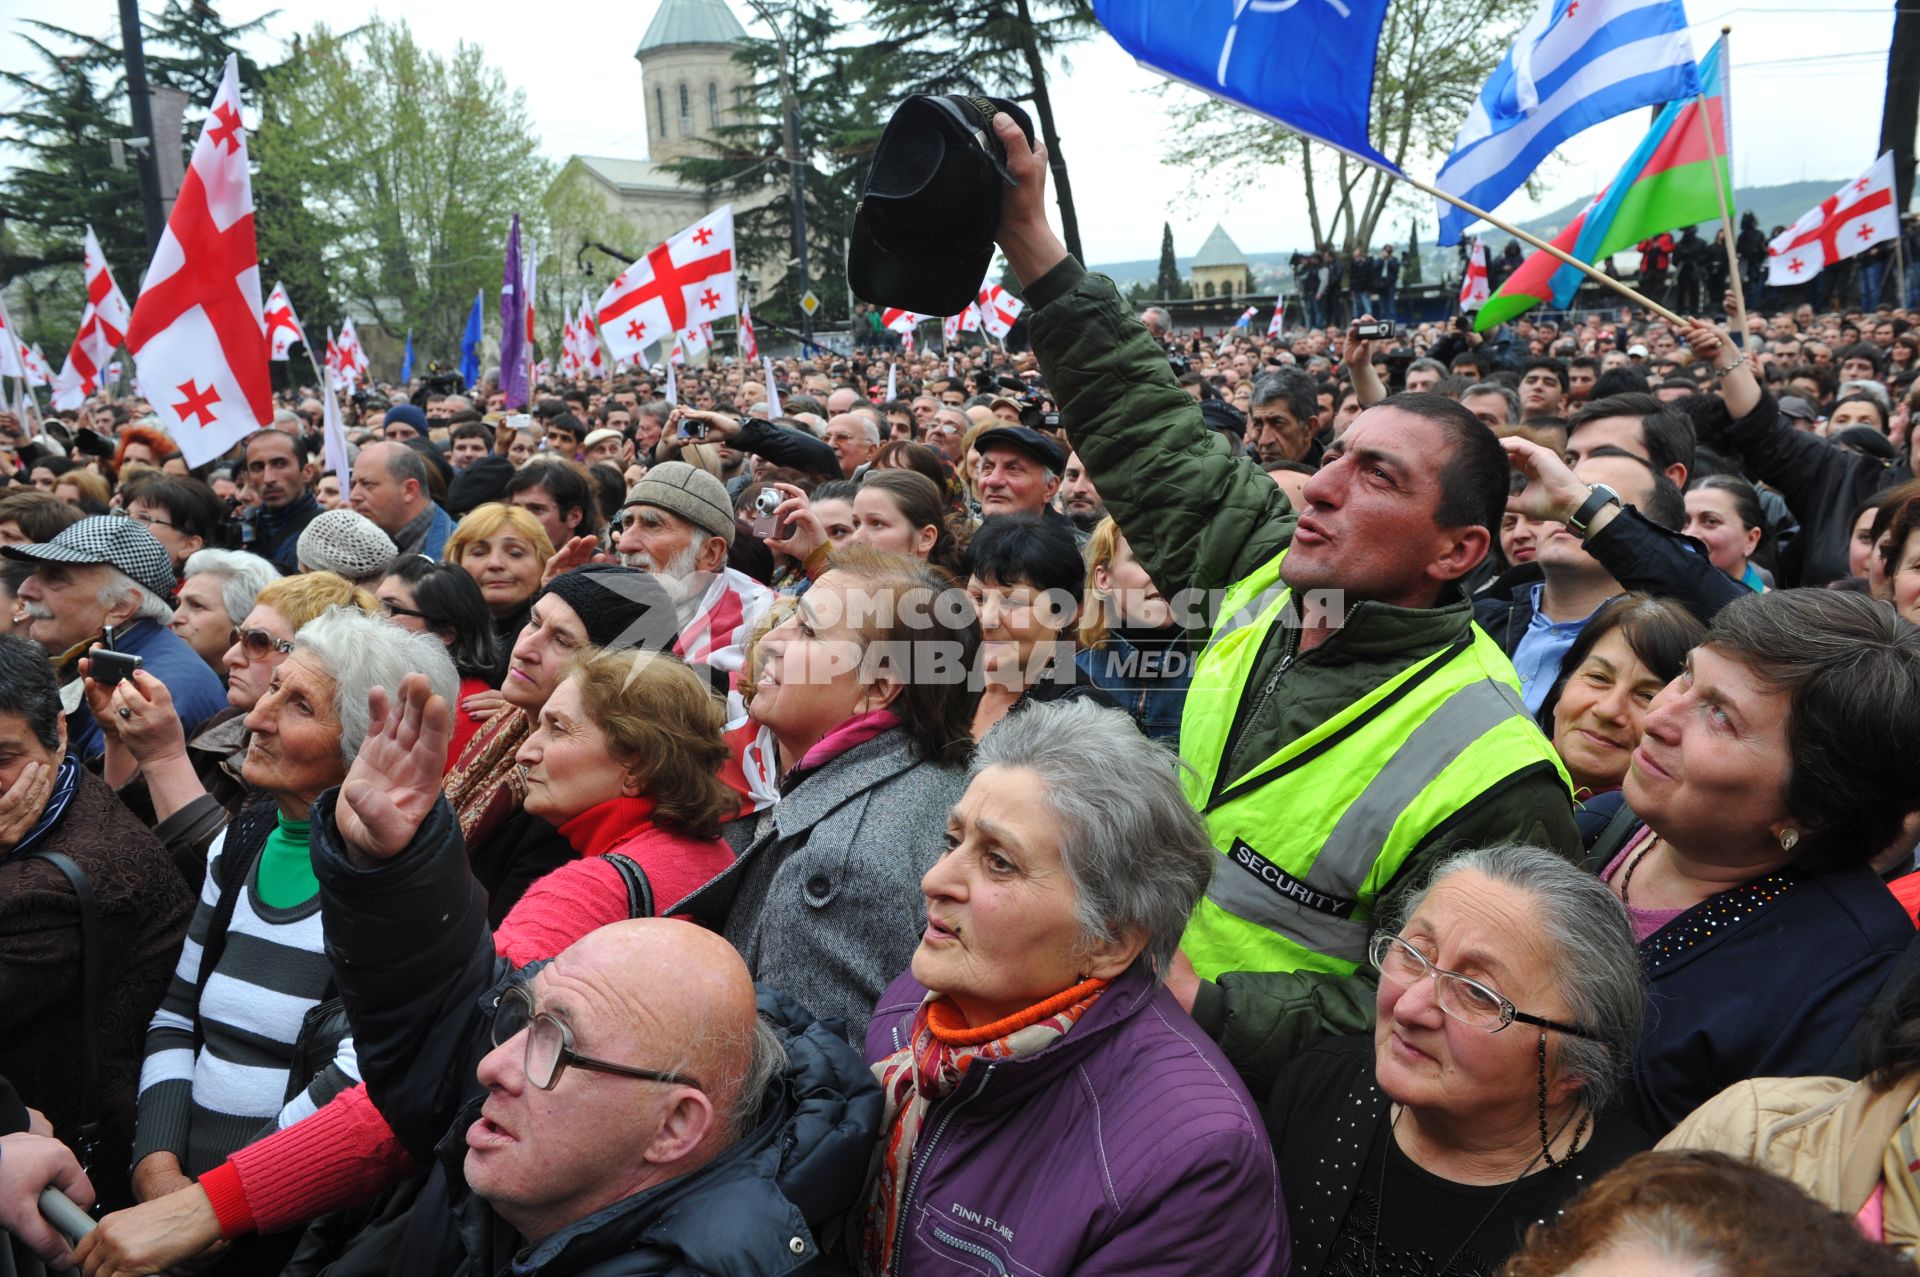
1599, 499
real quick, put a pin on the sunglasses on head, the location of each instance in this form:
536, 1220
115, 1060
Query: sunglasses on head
258, 644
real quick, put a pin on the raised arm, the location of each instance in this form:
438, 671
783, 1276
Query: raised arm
1196, 515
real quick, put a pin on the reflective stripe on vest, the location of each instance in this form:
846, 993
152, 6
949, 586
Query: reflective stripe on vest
1312, 835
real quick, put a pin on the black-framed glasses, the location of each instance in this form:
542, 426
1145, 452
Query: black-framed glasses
139, 516
394, 609
550, 1044
258, 644
1463, 998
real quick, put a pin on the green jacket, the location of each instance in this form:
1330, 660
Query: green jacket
1200, 517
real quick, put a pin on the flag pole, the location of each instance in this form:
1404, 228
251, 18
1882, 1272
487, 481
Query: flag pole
1739, 316
1598, 276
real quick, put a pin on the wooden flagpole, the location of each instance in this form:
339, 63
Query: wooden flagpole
1598, 276
1739, 316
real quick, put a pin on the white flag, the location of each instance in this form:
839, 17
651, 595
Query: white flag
1850, 221
687, 280
197, 335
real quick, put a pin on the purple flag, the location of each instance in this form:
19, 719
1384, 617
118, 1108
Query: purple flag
513, 325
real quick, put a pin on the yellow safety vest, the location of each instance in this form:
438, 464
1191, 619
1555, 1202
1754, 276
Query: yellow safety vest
1312, 835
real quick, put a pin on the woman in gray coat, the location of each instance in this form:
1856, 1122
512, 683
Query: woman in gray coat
866, 689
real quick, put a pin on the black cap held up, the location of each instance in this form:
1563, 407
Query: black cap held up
923, 230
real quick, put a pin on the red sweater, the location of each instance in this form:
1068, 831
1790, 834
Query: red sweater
346, 1153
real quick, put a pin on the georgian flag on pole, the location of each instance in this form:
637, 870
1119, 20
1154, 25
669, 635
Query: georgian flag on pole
1473, 289
15, 358
103, 326
1850, 221
197, 335
900, 321
998, 309
39, 371
591, 359
283, 326
684, 281
1278, 324
773, 391
353, 360
967, 321
749, 344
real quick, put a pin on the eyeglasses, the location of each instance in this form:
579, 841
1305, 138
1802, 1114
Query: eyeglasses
258, 644
394, 609
550, 1044
142, 517
1466, 1000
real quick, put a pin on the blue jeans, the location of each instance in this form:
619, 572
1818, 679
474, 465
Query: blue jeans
1362, 304
1872, 276
1315, 316
1387, 303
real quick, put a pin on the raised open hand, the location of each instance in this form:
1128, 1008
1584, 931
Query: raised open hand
395, 778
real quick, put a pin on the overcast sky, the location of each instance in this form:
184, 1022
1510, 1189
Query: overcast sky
1807, 85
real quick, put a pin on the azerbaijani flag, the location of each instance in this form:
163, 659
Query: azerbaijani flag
1668, 182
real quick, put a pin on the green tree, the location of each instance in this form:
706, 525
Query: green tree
1167, 283
393, 170
996, 47
1410, 269
1434, 57
845, 94
71, 107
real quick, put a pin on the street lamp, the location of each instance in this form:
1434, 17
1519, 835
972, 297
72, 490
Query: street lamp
790, 110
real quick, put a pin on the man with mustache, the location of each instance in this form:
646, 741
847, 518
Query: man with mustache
279, 470
678, 525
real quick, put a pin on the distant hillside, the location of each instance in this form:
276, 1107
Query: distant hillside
1777, 205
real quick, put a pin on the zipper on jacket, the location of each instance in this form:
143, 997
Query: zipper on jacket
913, 1180
966, 1247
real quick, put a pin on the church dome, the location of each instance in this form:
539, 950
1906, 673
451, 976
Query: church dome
680, 22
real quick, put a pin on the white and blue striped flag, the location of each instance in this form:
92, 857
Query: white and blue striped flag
1575, 64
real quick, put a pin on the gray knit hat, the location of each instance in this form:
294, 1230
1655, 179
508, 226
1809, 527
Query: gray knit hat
346, 542
689, 492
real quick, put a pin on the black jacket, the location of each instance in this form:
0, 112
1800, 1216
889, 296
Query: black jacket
275, 534
416, 966
1640, 555
1823, 485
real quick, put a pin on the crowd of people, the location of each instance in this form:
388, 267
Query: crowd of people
1137, 802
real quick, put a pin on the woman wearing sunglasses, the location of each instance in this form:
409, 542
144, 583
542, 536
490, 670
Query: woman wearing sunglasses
1509, 1009
190, 789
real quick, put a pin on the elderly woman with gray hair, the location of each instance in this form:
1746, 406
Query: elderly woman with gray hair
1508, 1012
228, 1059
1049, 1107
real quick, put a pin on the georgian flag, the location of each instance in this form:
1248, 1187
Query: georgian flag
680, 284
353, 360
569, 348
999, 309
39, 371
1848, 222
103, 326
900, 321
197, 335
1473, 289
591, 360
283, 326
1278, 323
967, 321
749, 344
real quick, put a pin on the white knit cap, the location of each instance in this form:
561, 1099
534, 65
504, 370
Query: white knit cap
347, 542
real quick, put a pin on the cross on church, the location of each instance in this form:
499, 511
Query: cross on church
198, 403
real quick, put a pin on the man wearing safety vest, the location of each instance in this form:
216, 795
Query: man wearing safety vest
1347, 722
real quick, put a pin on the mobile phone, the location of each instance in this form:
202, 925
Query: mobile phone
1371, 332
111, 667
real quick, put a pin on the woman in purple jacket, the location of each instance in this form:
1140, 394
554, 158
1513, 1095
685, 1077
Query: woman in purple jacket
1050, 1108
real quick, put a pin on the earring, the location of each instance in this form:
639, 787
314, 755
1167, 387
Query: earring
1789, 839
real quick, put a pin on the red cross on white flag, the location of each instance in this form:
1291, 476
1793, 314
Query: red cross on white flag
998, 309
1473, 289
283, 326
900, 321
1848, 222
103, 326
591, 360
1278, 323
967, 321
353, 360
39, 371
683, 282
198, 338
749, 344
